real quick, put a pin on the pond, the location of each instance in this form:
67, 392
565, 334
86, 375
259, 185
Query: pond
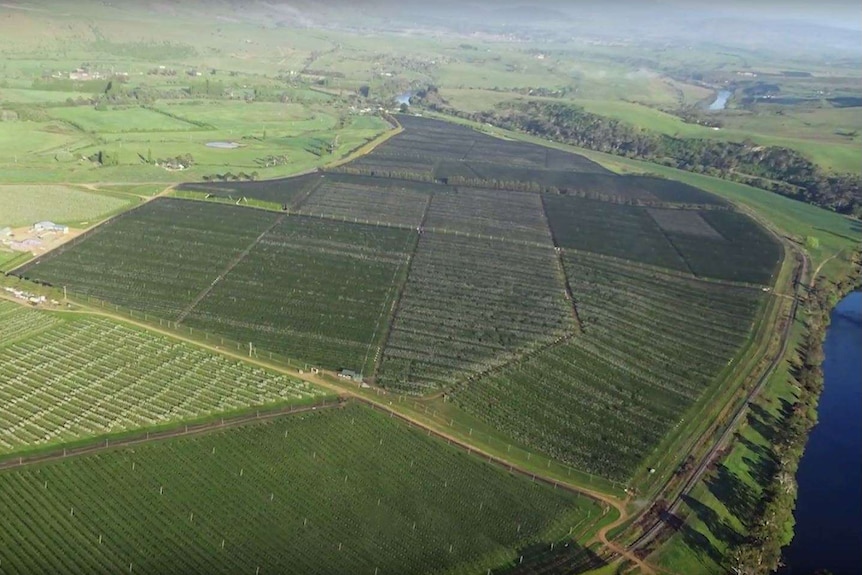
404, 98
721, 99
223, 145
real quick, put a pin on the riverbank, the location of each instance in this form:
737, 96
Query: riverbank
828, 513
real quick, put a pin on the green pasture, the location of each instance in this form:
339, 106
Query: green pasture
26, 204
35, 142
240, 117
118, 120
26, 96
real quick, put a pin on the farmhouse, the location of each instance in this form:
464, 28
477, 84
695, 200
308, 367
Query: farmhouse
84, 74
47, 226
349, 374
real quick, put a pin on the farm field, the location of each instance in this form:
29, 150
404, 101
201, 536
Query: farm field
479, 302
583, 224
311, 289
429, 149
25, 205
370, 200
131, 119
63, 380
720, 244
336, 491
653, 342
495, 213
469, 304
62, 145
284, 191
157, 258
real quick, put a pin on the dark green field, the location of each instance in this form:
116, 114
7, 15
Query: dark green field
156, 258
719, 244
338, 491
313, 289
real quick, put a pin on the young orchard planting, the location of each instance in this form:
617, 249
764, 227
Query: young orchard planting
714, 243
88, 377
284, 191
370, 200
491, 213
573, 310
337, 491
17, 323
157, 258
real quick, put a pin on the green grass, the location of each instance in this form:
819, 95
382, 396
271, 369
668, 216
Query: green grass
25, 205
242, 119
10, 259
116, 120
336, 491
35, 142
25, 96
66, 379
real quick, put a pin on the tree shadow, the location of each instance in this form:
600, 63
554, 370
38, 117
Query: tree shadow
764, 422
566, 557
739, 499
716, 525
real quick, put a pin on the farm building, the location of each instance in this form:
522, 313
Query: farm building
349, 374
50, 227
5, 232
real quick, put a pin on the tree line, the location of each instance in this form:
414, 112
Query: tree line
759, 553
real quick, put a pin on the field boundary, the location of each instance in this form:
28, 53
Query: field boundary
230, 266
170, 431
401, 286
561, 268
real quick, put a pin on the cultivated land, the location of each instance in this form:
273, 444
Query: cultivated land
334, 491
470, 304
652, 344
67, 378
291, 99
483, 293
314, 289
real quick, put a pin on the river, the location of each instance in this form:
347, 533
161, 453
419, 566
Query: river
829, 506
721, 100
